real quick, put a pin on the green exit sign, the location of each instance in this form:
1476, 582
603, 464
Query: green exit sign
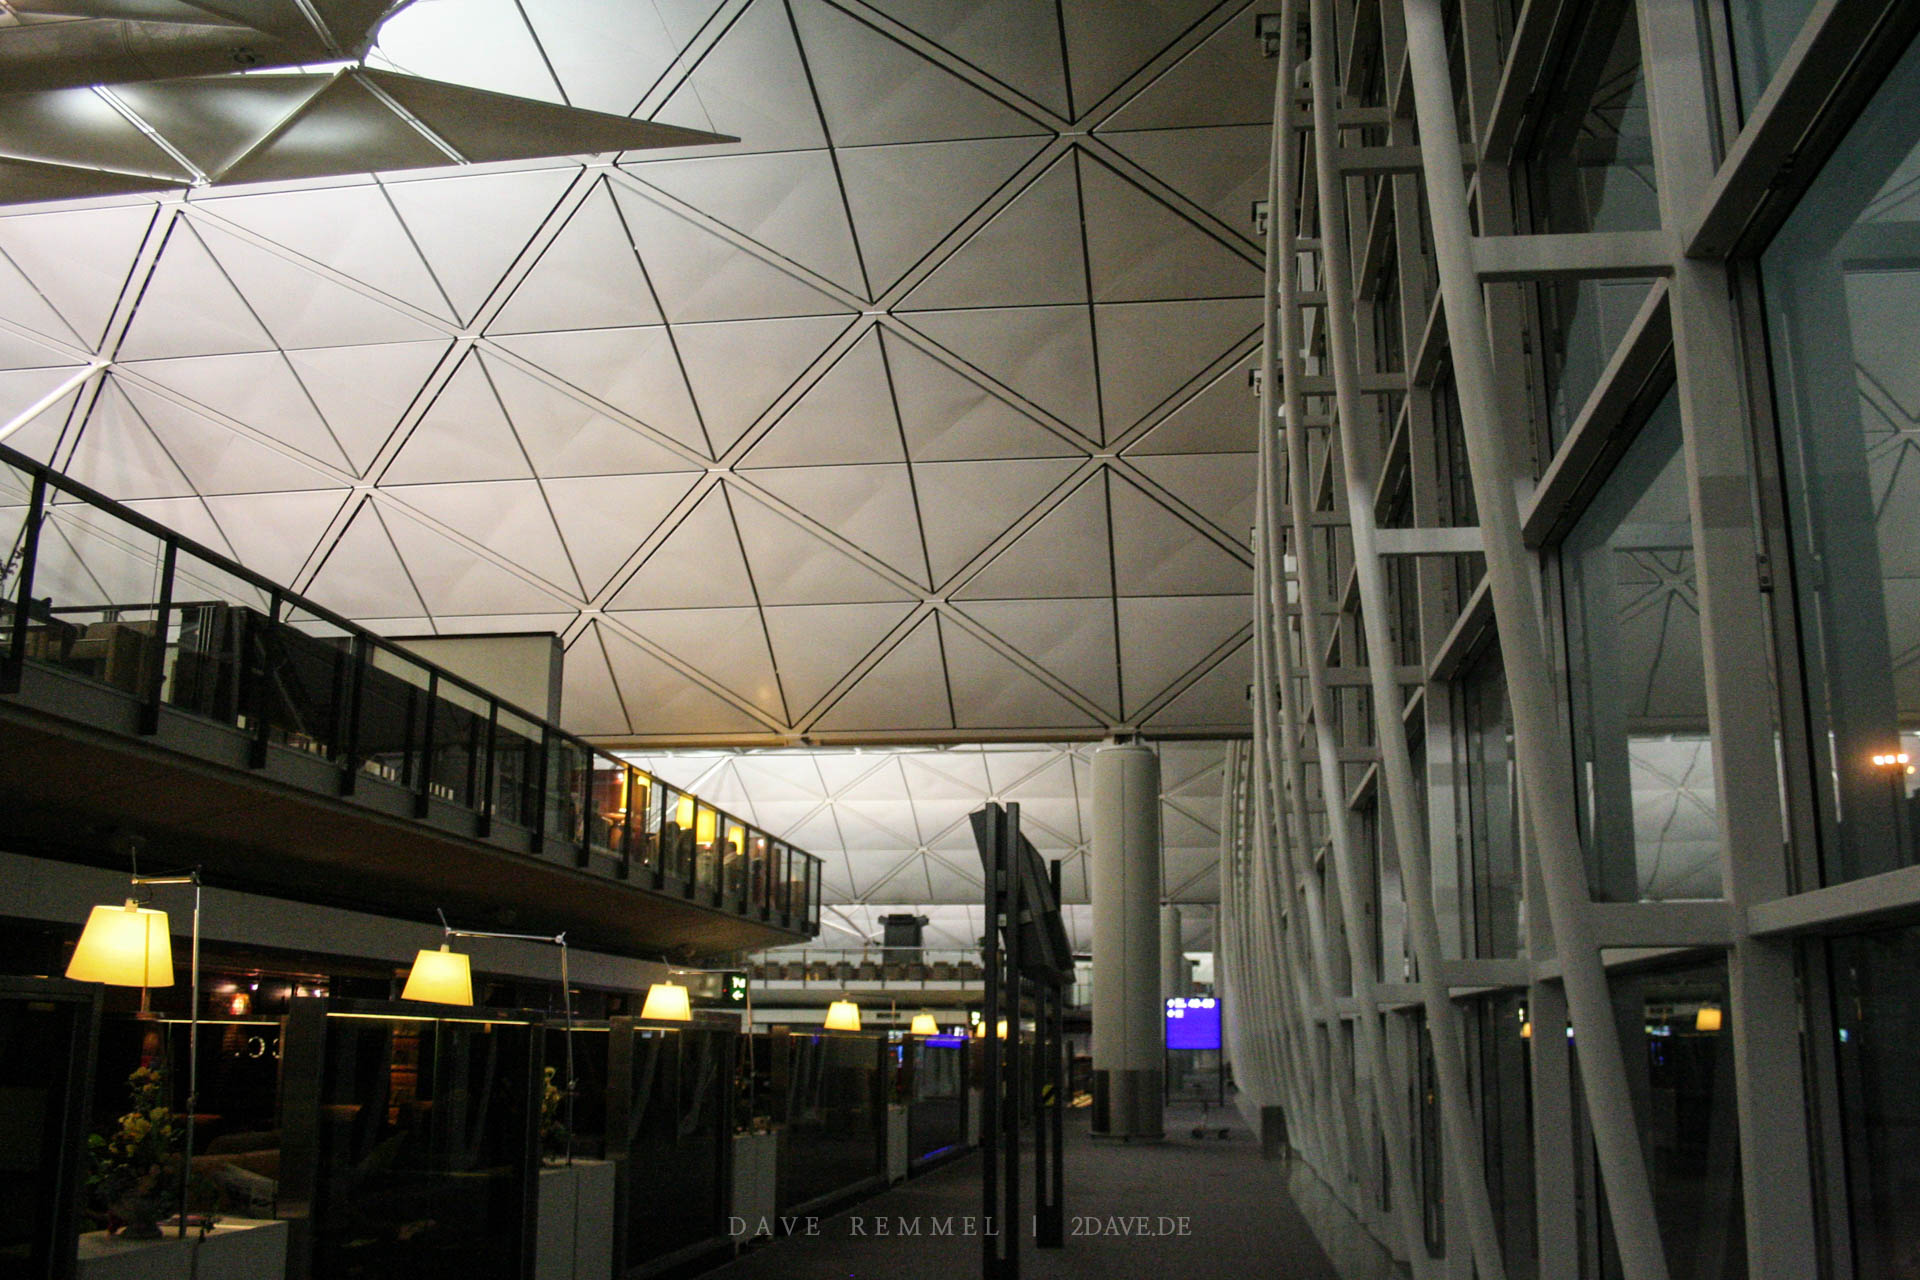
734, 988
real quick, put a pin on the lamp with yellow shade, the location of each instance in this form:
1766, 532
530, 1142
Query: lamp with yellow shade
1708, 1018
843, 1015
923, 1025
667, 1002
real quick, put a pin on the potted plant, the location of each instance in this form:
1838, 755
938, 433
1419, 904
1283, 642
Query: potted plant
135, 1176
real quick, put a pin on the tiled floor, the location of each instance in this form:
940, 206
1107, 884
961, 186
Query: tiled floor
1184, 1209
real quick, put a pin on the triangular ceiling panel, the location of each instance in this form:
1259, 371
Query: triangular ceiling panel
1217, 485
452, 579
737, 370
907, 688
78, 261
788, 201
301, 308
1227, 79
906, 199
362, 575
190, 307
1103, 54
794, 566
1218, 697
470, 229
258, 389
1073, 639
816, 644
947, 417
565, 436
353, 229
607, 56
22, 303
990, 691
636, 371
701, 275
697, 566
275, 534
508, 517
117, 454
589, 699
1066, 553
845, 417
588, 277
872, 507
725, 645
1042, 353
752, 85
1222, 170
1157, 553
1139, 249
1015, 259
605, 519
873, 89
363, 392
216, 459
661, 700
1219, 418
499, 52
1014, 41
463, 435
1149, 351
1162, 638
964, 506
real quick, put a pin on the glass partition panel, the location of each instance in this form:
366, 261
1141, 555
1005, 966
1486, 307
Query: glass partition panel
1638, 680
390, 716
669, 1118
733, 864
828, 1093
96, 583
1842, 286
937, 1109
516, 769
426, 1151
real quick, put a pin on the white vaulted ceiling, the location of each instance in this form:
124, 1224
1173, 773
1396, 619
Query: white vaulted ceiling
919, 412
891, 824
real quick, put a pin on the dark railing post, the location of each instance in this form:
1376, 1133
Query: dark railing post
258, 650
541, 773
488, 775
425, 786
155, 680
23, 601
626, 821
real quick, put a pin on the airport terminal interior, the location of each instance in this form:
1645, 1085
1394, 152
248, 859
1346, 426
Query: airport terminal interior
895, 638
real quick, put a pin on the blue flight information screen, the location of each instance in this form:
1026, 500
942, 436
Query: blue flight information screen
1193, 1022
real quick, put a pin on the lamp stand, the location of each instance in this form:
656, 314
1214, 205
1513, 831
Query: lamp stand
193, 1032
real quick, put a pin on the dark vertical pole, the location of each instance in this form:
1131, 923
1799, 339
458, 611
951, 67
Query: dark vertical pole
539, 823
990, 1090
421, 795
1053, 1222
154, 680
1009, 856
353, 699
491, 772
258, 652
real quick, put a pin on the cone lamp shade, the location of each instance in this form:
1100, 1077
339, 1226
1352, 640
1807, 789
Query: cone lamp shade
667, 1002
440, 977
124, 947
1708, 1018
843, 1015
924, 1025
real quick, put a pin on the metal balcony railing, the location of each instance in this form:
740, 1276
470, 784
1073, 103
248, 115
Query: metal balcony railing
838, 966
92, 587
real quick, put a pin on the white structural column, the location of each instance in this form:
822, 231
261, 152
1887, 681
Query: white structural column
1389, 1098
1541, 750
1128, 1046
1464, 1164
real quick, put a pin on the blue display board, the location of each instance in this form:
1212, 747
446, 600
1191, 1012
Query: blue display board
1193, 1022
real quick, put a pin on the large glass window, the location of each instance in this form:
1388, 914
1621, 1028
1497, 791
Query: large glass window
1589, 160
1492, 837
1762, 30
1842, 287
1638, 680
1877, 1024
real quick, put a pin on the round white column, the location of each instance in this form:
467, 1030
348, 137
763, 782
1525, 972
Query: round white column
1128, 1045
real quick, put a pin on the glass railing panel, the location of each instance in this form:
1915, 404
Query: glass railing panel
457, 749
676, 834
607, 805
516, 769
643, 810
96, 591
706, 854
759, 859
390, 716
567, 766
733, 864
297, 680
207, 635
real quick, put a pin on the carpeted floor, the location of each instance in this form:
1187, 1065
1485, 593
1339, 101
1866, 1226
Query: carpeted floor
1190, 1209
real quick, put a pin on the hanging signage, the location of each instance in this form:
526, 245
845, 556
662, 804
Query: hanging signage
1193, 1022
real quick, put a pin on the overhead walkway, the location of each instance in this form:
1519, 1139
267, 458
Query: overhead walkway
150, 685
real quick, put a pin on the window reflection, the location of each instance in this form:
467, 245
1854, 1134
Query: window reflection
1841, 289
1638, 679
1492, 836
1878, 1052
